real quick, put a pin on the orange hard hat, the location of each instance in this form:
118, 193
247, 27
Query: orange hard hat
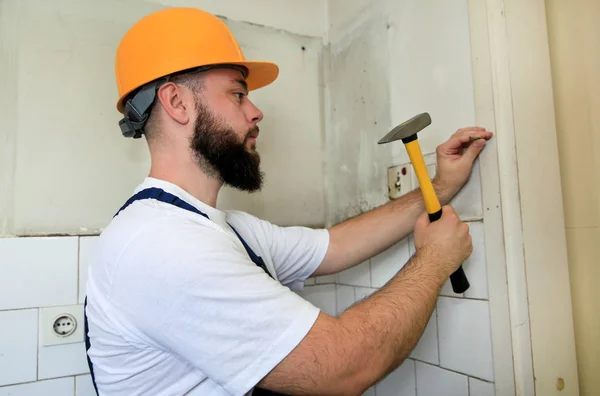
179, 39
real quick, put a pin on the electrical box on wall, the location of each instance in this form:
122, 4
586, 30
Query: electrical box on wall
402, 178
399, 180
61, 325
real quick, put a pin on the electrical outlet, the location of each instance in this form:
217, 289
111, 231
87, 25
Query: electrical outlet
399, 180
61, 325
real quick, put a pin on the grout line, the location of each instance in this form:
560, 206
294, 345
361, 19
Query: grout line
415, 369
464, 298
37, 345
18, 309
482, 380
43, 380
437, 330
41, 307
78, 266
75, 385
468, 387
40, 236
453, 371
366, 287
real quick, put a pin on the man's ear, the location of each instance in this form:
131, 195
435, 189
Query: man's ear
172, 98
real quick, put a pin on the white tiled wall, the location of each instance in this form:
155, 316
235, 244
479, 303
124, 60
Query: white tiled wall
465, 336
52, 271
454, 354
18, 346
401, 382
433, 381
45, 267
55, 387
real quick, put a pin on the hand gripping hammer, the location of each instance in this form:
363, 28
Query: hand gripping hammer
407, 132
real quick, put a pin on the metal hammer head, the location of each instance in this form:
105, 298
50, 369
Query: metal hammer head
407, 131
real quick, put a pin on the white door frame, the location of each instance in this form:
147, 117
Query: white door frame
530, 297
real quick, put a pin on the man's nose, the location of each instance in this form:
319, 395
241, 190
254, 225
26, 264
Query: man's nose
254, 114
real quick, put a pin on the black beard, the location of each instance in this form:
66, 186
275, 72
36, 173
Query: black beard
222, 155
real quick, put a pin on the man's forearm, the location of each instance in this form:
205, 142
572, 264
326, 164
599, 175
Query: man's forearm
362, 237
386, 326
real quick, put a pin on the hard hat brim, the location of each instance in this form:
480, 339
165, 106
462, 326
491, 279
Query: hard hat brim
260, 74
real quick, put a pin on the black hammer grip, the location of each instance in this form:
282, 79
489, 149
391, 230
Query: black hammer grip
459, 280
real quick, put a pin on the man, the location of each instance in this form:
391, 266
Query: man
186, 299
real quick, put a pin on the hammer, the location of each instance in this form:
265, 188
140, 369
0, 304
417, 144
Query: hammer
407, 132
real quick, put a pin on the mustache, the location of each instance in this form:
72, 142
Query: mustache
252, 133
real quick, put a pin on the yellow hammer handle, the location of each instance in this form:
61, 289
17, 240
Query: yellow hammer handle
432, 202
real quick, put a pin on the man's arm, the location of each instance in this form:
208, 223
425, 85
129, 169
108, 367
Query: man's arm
360, 238
347, 355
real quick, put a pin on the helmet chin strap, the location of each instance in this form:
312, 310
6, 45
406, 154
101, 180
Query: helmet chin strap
137, 107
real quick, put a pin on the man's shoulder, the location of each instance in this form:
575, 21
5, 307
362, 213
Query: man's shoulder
157, 228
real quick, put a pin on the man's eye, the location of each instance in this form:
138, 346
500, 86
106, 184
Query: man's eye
240, 95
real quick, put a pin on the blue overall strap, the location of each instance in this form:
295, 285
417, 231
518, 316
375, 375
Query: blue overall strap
87, 345
163, 196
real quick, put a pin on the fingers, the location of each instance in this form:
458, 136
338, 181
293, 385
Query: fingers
474, 149
463, 137
422, 221
473, 133
448, 210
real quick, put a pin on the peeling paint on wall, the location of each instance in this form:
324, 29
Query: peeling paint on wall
358, 95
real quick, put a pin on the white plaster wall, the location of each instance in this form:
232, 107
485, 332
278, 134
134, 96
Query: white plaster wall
306, 17
64, 166
389, 60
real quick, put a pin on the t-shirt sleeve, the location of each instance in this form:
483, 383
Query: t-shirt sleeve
195, 293
296, 251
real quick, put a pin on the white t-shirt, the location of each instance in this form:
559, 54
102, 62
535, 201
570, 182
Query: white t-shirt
176, 306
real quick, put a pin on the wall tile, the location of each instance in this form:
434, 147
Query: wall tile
427, 347
467, 203
465, 336
55, 387
363, 292
386, 264
87, 248
322, 296
72, 357
434, 381
447, 290
359, 275
481, 388
401, 382
310, 282
369, 392
18, 346
411, 244
84, 386
45, 267
344, 297
475, 266
325, 279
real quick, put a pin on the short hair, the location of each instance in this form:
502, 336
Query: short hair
190, 79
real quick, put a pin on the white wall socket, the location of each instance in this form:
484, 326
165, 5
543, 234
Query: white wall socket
402, 178
61, 325
399, 180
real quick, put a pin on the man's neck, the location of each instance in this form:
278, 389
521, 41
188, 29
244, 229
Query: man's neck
193, 180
